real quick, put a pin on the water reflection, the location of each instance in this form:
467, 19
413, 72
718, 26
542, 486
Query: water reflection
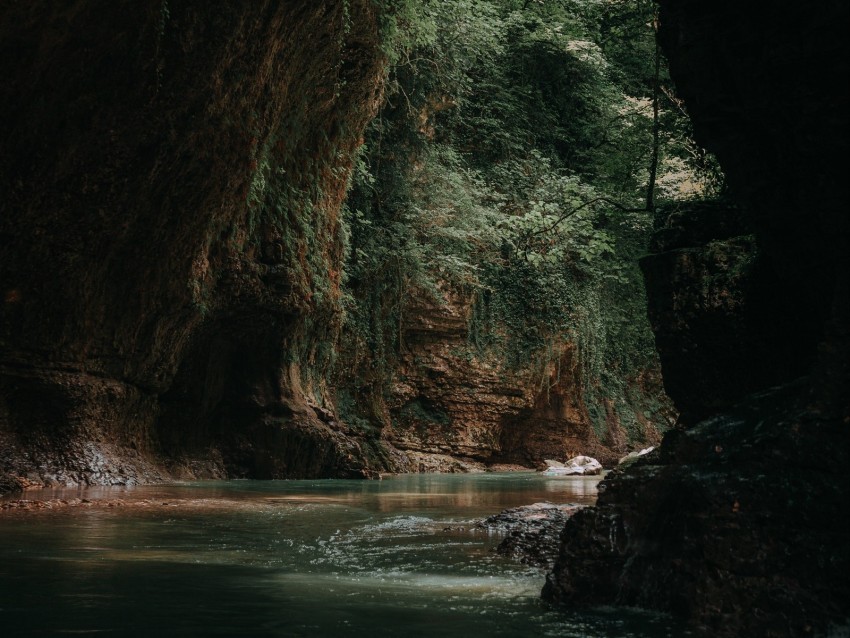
475, 492
583, 489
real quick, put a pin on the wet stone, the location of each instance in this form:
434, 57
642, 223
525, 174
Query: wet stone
532, 531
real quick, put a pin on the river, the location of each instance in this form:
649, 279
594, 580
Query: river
397, 557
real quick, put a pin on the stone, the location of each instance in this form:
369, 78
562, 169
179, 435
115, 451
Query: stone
532, 531
631, 456
582, 465
706, 522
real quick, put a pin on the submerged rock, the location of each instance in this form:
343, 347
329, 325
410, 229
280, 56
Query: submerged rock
534, 531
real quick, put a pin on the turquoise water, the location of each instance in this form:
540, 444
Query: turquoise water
398, 557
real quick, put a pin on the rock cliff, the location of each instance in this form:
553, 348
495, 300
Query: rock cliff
725, 524
170, 259
169, 242
452, 400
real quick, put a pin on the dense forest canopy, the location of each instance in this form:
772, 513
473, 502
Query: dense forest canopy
521, 155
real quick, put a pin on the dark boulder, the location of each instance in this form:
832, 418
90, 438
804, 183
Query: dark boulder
533, 531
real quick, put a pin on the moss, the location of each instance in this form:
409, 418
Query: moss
422, 410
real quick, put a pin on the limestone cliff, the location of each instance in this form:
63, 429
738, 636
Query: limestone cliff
169, 242
450, 400
736, 523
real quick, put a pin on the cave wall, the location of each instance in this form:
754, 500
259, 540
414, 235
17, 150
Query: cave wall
735, 523
169, 242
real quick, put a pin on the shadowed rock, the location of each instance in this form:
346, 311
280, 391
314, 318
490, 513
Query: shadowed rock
533, 531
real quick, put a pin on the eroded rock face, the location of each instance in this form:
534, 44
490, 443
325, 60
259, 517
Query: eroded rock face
450, 399
723, 525
169, 241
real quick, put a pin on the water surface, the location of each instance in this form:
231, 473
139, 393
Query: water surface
398, 557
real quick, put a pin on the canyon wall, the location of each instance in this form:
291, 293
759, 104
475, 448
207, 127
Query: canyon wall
171, 256
454, 406
169, 241
736, 523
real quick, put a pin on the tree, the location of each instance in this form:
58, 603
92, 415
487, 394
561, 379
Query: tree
521, 150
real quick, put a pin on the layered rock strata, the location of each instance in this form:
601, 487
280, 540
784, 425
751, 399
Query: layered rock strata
452, 400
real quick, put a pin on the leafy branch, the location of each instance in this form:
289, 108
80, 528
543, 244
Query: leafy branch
565, 216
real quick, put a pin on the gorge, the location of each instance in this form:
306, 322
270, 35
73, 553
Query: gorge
215, 264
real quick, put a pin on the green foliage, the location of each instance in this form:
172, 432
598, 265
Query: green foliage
511, 161
420, 410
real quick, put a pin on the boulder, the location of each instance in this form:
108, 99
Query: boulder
532, 531
581, 465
